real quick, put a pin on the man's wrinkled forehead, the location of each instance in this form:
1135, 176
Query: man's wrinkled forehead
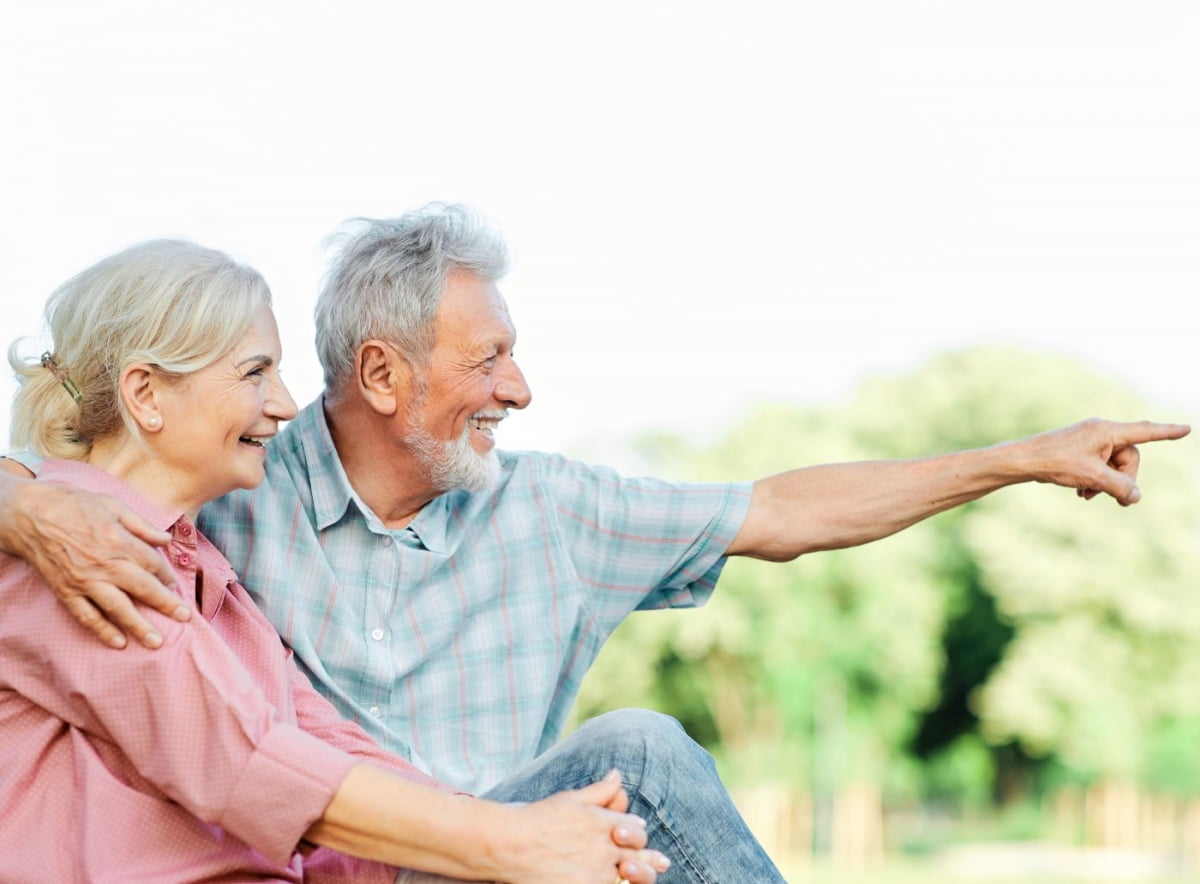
472, 306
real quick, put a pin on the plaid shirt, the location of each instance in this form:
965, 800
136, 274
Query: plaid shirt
460, 641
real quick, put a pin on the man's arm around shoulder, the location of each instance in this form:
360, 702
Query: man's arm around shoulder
94, 553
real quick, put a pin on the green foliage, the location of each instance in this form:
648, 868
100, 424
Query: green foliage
1170, 757
950, 658
962, 772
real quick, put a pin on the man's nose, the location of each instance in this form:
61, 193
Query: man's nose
511, 387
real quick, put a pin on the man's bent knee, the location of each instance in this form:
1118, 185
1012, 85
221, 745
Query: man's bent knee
648, 734
644, 724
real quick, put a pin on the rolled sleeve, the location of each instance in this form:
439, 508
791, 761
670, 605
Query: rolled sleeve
285, 786
28, 459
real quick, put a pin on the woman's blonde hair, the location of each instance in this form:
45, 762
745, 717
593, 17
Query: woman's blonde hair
170, 303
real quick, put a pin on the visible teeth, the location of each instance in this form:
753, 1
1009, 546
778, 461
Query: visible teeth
486, 423
254, 440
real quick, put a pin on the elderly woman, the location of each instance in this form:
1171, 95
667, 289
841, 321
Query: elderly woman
213, 758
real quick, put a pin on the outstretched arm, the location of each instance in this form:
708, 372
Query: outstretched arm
839, 505
91, 550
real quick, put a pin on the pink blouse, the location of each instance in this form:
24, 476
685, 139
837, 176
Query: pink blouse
205, 759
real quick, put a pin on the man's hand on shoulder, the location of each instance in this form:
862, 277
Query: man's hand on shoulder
96, 555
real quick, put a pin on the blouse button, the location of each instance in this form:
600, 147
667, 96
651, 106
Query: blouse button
184, 559
185, 530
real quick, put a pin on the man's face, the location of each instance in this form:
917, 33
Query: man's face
471, 384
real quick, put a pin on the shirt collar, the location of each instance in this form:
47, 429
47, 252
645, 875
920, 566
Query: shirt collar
169, 519
431, 524
332, 493
90, 478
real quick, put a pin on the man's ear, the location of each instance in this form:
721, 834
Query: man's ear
137, 387
383, 376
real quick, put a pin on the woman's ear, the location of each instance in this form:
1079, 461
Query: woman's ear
137, 389
382, 376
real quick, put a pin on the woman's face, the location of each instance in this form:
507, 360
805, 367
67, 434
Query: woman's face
216, 422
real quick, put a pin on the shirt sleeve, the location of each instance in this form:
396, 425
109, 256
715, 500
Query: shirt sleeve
188, 718
663, 541
28, 459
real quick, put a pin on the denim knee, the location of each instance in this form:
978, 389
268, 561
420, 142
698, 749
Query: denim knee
643, 725
643, 735
644, 722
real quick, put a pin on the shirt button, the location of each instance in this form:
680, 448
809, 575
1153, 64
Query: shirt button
386, 541
377, 634
185, 530
374, 710
184, 559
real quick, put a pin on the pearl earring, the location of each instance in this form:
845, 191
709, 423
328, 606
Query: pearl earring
152, 422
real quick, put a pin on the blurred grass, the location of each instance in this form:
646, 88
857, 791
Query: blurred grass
905, 871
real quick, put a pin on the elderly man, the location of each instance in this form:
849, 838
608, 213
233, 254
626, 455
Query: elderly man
451, 597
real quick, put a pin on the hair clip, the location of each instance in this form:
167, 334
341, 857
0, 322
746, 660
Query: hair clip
49, 362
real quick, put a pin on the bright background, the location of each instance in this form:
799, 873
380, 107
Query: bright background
707, 204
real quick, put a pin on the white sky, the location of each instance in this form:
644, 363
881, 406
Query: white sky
707, 204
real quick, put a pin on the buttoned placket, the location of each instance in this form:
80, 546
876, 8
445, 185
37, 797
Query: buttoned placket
183, 557
384, 572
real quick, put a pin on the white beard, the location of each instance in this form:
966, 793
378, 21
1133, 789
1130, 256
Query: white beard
454, 464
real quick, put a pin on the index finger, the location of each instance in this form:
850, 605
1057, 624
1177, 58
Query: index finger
1150, 431
139, 584
148, 557
146, 578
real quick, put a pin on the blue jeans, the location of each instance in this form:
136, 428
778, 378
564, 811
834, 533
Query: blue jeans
672, 784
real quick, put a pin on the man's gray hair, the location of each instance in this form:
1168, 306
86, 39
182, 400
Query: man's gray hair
387, 280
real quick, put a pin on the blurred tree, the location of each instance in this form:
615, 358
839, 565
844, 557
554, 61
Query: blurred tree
1050, 627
